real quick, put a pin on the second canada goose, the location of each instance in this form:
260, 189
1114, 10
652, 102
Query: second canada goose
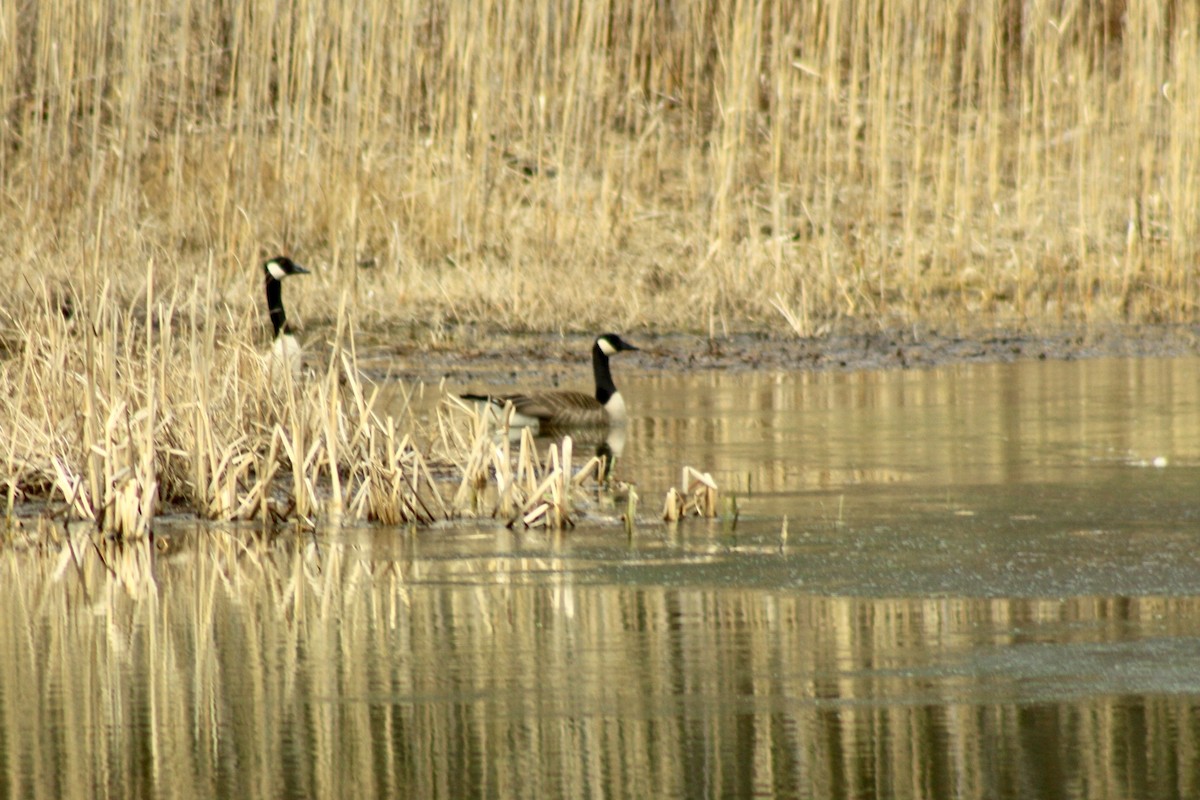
558, 409
285, 350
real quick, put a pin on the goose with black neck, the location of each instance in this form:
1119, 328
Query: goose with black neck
286, 352
552, 410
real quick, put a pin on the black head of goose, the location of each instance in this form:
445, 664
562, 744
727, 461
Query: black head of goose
559, 409
285, 350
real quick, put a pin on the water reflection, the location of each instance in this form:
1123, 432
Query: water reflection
788, 437
452, 664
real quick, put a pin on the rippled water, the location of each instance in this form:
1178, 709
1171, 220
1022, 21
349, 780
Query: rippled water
989, 587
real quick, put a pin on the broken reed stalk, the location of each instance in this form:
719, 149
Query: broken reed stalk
516, 487
699, 496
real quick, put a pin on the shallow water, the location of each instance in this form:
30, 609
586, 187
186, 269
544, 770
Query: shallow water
989, 587
1028, 479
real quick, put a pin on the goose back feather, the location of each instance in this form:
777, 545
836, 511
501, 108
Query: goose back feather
565, 409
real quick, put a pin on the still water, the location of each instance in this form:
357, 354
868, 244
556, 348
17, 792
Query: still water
989, 587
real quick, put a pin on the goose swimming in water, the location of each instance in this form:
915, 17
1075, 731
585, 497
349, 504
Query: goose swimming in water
559, 409
286, 352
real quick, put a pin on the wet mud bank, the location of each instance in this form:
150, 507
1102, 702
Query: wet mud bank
484, 355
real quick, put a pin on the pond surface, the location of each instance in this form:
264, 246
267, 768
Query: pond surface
989, 587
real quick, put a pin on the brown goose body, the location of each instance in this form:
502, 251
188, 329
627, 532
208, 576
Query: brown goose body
558, 409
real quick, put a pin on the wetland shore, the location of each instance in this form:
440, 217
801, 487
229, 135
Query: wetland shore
507, 356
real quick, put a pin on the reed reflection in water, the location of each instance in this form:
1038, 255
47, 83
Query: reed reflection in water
476, 663
784, 439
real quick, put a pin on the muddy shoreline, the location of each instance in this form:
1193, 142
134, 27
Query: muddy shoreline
474, 355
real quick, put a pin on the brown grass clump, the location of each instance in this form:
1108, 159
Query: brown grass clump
745, 165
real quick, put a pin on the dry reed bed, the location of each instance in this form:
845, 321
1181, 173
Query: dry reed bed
746, 164
116, 414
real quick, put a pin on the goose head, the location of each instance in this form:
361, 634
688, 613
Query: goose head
611, 344
280, 267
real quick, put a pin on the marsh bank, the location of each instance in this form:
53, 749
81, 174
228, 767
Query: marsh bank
471, 353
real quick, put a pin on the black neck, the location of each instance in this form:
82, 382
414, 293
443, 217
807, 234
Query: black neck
275, 306
605, 388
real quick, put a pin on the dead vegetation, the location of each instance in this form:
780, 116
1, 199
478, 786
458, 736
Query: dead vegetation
724, 166
118, 415
626, 165
698, 496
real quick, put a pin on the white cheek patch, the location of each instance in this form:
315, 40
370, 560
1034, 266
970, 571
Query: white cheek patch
607, 348
276, 271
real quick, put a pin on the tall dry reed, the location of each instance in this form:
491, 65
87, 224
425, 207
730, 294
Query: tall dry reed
682, 164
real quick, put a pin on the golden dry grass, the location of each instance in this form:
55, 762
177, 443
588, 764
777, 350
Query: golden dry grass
624, 164
627, 165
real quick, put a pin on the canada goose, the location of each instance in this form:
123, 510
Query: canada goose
285, 350
566, 409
